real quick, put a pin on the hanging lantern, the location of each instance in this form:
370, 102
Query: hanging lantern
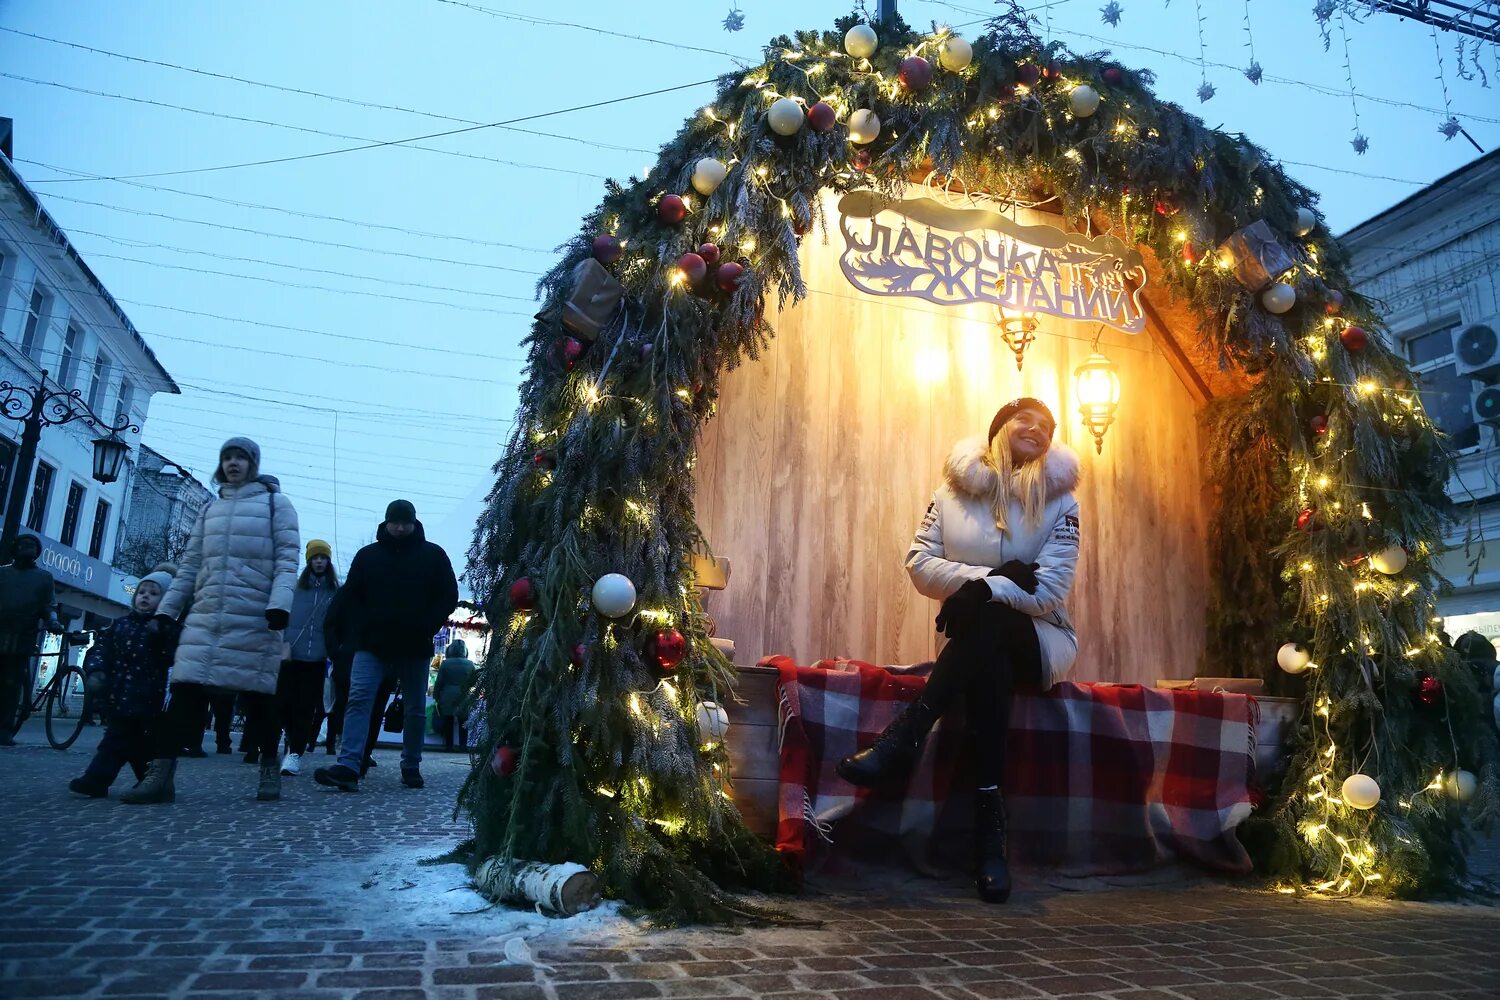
1097, 386
109, 456
1017, 329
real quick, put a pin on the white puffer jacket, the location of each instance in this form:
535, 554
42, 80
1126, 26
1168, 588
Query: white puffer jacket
240, 562
958, 542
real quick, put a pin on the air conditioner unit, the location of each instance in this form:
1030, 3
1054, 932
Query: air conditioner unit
1476, 348
1484, 405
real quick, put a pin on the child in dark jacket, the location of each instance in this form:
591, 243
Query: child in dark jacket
128, 667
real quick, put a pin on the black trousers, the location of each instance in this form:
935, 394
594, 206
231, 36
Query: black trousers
984, 662
221, 707
340, 676
299, 696
184, 720
15, 674
447, 726
129, 740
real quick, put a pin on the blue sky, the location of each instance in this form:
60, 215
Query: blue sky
426, 388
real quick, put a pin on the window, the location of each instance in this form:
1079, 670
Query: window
1446, 393
101, 525
127, 400
7, 265
7, 468
99, 381
37, 316
71, 513
41, 490
68, 364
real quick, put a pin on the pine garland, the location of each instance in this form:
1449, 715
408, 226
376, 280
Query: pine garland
597, 477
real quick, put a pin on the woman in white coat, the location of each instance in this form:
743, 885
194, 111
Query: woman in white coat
999, 547
235, 581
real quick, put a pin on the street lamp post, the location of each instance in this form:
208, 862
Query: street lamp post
40, 407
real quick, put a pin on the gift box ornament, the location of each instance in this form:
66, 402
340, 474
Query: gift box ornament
596, 295
1257, 257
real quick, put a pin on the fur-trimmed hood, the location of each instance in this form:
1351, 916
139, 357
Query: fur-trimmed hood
968, 474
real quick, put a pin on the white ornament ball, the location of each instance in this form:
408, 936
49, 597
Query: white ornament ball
860, 41
956, 54
1292, 658
1083, 101
1279, 298
708, 174
864, 126
713, 721
786, 116
1305, 221
1389, 561
1361, 791
1461, 785
614, 595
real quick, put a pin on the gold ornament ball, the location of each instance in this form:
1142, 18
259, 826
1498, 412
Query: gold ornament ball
708, 174
1461, 785
1083, 101
956, 54
786, 116
1305, 221
1361, 791
1292, 658
860, 41
1279, 298
1389, 561
864, 126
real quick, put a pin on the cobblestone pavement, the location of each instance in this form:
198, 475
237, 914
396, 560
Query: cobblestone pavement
318, 897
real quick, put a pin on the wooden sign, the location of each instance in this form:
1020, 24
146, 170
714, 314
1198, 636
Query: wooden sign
919, 248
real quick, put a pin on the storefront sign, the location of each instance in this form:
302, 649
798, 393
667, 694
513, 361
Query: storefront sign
69, 566
954, 256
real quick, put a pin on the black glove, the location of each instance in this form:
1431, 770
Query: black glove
1022, 574
961, 608
277, 620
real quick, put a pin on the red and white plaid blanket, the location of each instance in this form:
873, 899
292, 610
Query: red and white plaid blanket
1101, 778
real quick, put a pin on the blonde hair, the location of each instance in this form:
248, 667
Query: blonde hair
1028, 483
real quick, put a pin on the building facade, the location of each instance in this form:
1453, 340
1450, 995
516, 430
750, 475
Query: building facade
1433, 263
164, 503
60, 327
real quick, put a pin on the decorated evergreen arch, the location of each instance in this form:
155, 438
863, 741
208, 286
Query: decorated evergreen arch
592, 751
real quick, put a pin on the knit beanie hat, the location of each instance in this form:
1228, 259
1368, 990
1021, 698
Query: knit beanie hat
318, 547
244, 444
401, 512
162, 580
1016, 406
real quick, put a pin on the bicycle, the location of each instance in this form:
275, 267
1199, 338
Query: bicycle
63, 700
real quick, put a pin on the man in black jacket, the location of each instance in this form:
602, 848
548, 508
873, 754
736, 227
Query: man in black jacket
398, 594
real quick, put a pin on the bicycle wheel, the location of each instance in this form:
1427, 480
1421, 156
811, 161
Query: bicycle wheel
65, 708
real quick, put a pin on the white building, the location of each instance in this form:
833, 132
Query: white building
56, 316
164, 504
1433, 263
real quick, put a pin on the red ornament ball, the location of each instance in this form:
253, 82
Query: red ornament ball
572, 348
694, 266
1307, 519
522, 596
1052, 71
671, 209
1028, 74
579, 654
1354, 338
1429, 689
861, 159
504, 760
799, 227
730, 274
1166, 205
1334, 302
542, 460
1319, 424
916, 74
666, 649
1113, 75
607, 249
821, 117
710, 253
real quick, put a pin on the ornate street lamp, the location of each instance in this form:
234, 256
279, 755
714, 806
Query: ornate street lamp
38, 407
1017, 329
1096, 383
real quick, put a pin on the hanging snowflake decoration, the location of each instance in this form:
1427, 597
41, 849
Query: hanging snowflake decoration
1110, 14
1253, 72
1450, 127
735, 19
1206, 91
1360, 143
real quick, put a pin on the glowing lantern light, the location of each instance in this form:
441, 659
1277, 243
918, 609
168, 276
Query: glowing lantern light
1097, 386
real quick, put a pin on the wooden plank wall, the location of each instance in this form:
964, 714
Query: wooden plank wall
822, 457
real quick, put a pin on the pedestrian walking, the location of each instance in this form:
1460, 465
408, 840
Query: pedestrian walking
239, 572
454, 679
299, 691
28, 602
127, 671
401, 590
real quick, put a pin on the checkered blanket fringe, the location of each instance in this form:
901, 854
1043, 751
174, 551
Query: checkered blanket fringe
1102, 778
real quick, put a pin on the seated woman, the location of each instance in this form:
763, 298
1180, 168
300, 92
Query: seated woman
999, 546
